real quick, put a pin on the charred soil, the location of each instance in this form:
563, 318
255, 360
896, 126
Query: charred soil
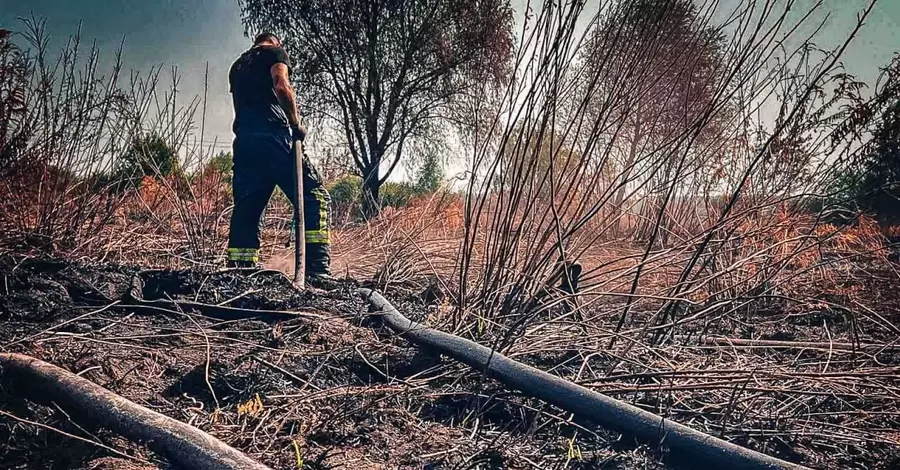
312, 381
328, 388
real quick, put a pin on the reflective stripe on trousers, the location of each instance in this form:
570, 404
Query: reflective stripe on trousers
243, 254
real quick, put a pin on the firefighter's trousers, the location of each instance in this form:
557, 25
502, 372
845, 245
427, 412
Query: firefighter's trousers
261, 162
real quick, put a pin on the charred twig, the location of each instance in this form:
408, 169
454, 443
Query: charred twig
776, 344
292, 376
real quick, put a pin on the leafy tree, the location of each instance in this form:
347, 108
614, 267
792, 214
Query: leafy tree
872, 176
877, 186
223, 163
430, 173
148, 155
386, 71
345, 195
13, 80
345, 190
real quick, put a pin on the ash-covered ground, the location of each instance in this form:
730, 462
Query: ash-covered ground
327, 389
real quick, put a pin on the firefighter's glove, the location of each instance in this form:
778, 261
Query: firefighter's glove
298, 132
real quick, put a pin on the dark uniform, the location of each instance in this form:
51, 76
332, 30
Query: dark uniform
263, 158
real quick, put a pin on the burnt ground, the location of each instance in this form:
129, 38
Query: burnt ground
334, 390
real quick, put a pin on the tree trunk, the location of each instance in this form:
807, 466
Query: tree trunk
626, 173
626, 170
371, 200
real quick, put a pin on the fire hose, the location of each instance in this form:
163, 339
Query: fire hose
692, 447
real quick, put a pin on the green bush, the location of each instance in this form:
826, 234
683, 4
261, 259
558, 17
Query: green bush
397, 194
430, 174
148, 155
223, 163
346, 190
345, 197
874, 181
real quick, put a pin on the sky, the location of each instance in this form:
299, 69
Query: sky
184, 33
191, 33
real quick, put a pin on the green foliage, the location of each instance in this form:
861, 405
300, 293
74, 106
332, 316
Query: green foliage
345, 191
427, 180
397, 194
223, 164
876, 182
279, 197
148, 155
430, 174
872, 181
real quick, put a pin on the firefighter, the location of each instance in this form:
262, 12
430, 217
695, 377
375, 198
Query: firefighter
266, 124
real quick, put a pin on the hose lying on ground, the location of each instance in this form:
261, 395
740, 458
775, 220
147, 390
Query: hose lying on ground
184, 445
690, 446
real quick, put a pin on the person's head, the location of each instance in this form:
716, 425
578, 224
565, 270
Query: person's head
267, 39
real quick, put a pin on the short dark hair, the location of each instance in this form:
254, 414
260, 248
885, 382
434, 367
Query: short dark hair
266, 37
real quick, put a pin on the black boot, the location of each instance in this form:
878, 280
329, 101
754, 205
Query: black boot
318, 266
236, 264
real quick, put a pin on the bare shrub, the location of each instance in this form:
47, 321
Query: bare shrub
71, 144
643, 133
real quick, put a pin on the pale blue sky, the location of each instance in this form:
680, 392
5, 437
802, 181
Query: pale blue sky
190, 33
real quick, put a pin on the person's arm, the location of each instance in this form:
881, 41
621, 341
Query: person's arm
285, 93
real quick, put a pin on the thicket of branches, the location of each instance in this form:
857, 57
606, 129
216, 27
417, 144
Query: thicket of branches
648, 129
99, 163
644, 128
872, 182
107, 164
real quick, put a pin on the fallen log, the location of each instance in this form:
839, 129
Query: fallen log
692, 447
184, 445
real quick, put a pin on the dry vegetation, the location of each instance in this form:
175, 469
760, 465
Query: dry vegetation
725, 284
